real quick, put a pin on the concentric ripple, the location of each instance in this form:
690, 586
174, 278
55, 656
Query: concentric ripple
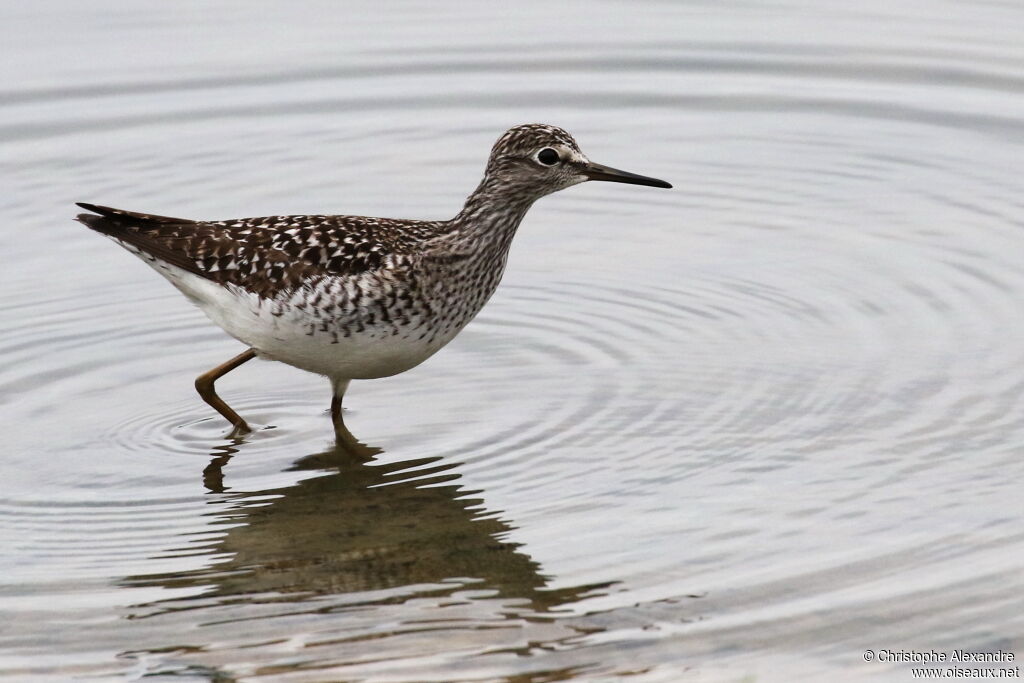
703, 429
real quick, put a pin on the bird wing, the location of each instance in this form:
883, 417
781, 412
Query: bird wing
265, 255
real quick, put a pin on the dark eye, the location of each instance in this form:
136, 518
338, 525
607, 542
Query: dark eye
547, 156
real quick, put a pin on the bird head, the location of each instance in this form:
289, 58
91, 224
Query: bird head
533, 160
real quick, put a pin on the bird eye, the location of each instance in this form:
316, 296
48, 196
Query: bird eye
547, 156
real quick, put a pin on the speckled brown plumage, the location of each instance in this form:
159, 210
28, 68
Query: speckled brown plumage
266, 255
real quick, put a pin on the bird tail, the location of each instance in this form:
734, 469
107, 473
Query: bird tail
109, 221
152, 235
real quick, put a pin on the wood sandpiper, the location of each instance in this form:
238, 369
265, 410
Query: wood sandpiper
351, 297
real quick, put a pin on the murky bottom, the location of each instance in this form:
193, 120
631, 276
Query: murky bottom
745, 429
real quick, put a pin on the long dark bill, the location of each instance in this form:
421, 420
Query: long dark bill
613, 175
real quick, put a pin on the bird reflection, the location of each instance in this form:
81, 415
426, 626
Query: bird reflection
363, 526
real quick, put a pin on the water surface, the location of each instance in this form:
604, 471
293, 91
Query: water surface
743, 429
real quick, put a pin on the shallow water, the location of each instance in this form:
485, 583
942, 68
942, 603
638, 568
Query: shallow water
743, 429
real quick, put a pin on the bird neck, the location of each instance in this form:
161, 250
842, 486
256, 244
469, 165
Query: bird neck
490, 218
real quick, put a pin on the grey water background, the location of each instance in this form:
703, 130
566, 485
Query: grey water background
744, 429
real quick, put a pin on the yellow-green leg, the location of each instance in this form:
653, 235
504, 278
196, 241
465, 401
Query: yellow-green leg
204, 385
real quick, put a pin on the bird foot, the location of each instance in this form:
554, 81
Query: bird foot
240, 429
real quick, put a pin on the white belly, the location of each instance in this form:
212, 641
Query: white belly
295, 337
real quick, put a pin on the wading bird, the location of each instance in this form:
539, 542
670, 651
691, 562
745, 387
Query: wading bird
352, 297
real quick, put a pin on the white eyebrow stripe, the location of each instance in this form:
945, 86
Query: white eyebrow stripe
575, 156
